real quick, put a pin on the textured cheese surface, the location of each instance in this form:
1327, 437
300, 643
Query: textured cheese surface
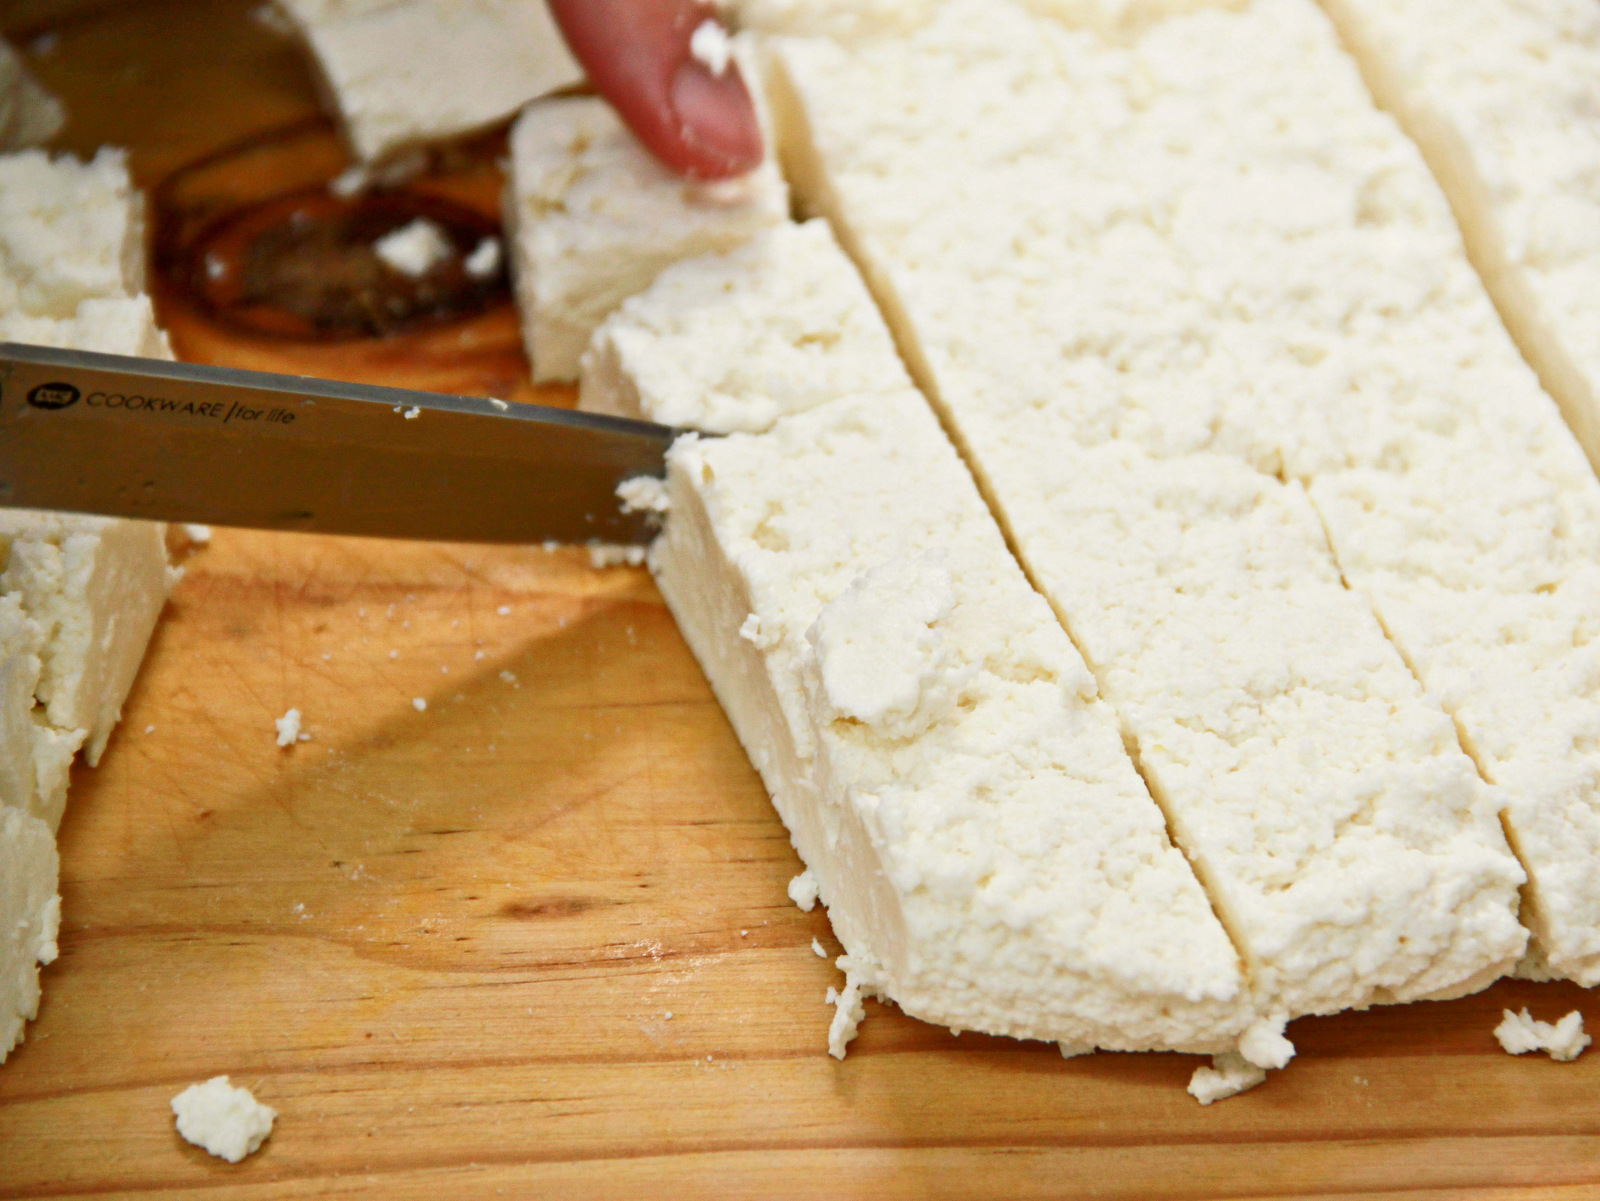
1205, 259
69, 231
20, 641
29, 115
95, 586
30, 915
990, 858
113, 325
1505, 100
225, 1120
403, 72
594, 219
733, 341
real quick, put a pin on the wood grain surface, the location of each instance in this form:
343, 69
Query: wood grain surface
533, 940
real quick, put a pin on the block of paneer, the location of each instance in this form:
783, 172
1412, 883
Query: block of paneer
593, 219
29, 115
400, 73
30, 916
95, 587
735, 340
990, 858
1504, 100
1170, 283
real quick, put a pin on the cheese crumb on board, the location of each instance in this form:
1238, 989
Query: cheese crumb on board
818, 949
610, 554
990, 858
223, 1119
1229, 1075
30, 915
29, 115
484, 262
734, 340
404, 72
1137, 447
803, 889
593, 218
420, 704
644, 494
198, 535
1563, 1041
288, 727
415, 248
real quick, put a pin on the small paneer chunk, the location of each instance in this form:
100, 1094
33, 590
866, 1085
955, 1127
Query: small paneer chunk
593, 219
405, 72
223, 1119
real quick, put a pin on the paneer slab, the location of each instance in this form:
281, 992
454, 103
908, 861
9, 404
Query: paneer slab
1126, 346
990, 858
30, 916
593, 219
1504, 100
400, 73
732, 341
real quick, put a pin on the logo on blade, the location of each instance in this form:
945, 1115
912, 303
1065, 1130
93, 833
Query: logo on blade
53, 396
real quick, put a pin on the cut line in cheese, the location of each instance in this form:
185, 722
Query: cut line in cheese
1125, 346
989, 856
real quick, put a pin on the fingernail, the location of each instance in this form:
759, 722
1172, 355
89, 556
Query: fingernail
717, 118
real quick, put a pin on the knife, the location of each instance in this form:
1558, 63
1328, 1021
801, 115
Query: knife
132, 437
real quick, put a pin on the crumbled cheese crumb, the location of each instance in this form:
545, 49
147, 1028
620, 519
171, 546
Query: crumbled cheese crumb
1229, 1074
860, 982
709, 45
484, 261
818, 949
350, 182
224, 1120
198, 535
1563, 1041
288, 728
412, 413
499, 404
414, 249
609, 554
509, 677
803, 889
1264, 1045
419, 704
643, 494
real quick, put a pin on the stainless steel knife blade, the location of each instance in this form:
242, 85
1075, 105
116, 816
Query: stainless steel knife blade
130, 437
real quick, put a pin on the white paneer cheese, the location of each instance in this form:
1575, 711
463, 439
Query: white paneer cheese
95, 586
69, 231
1563, 1041
1117, 346
29, 115
114, 325
1504, 100
1229, 1075
35, 757
414, 249
988, 854
288, 727
30, 916
403, 72
593, 219
733, 341
223, 1119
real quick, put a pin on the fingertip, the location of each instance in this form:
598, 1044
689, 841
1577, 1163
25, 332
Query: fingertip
716, 121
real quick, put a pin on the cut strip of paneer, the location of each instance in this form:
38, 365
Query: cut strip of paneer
30, 915
1504, 100
29, 115
990, 858
733, 341
1116, 261
594, 219
404, 72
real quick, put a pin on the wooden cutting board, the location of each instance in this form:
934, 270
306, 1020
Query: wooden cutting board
533, 940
